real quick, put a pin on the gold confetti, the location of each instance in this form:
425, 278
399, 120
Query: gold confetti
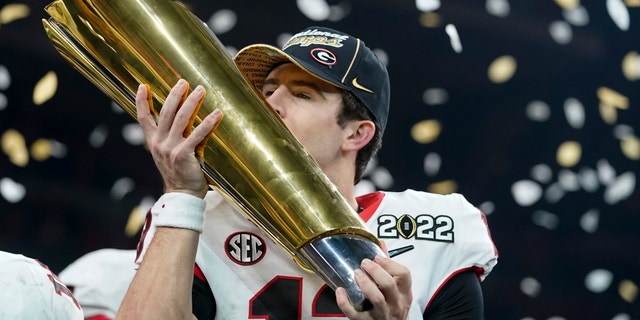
443, 187
631, 147
430, 20
46, 88
13, 145
569, 154
608, 113
426, 131
628, 290
612, 98
135, 221
568, 4
632, 3
502, 69
41, 150
13, 12
631, 66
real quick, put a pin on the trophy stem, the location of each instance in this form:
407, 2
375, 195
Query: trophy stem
335, 258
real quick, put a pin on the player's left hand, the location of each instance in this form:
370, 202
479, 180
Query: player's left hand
386, 284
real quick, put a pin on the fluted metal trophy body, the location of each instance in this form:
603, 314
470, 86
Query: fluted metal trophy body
252, 158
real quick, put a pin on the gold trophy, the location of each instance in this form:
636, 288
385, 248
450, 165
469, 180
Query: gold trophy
251, 158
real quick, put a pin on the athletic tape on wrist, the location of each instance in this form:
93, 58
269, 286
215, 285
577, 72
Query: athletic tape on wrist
179, 210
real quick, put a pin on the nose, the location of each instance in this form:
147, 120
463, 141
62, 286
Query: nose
277, 100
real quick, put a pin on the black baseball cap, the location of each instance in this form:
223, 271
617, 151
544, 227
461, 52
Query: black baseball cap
331, 55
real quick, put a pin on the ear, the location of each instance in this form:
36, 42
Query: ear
359, 133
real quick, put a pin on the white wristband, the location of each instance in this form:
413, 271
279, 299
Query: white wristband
179, 210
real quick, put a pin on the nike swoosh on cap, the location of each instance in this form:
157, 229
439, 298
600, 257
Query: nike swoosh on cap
355, 83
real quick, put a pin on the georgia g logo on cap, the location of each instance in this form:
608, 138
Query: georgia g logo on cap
324, 56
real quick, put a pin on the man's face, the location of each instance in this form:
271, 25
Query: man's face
309, 107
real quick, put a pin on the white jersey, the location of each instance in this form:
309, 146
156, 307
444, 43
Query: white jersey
29, 290
100, 280
253, 278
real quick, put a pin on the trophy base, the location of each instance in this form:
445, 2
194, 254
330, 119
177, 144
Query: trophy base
336, 257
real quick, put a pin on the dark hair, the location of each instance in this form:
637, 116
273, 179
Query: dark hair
354, 109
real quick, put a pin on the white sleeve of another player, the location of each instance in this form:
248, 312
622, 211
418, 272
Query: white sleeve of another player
31, 291
478, 247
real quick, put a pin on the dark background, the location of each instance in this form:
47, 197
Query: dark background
486, 145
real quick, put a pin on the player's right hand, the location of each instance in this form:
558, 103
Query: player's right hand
169, 138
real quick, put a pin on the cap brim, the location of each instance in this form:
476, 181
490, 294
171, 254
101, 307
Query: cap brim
256, 61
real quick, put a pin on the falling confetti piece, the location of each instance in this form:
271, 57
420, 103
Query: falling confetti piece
631, 66
498, 8
11, 190
621, 188
526, 192
443, 187
316, 10
427, 5
430, 20
631, 147
454, 38
560, 32
574, 113
567, 4
426, 131
569, 154
432, 163
545, 219
14, 146
598, 280
590, 220
612, 98
45, 88
530, 286
137, 216
618, 13
502, 69
41, 149
13, 12
222, 21
628, 291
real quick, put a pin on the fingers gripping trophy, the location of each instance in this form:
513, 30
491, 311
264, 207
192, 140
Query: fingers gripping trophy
251, 158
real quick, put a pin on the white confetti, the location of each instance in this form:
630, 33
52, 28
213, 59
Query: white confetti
598, 280
590, 220
12, 191
530, 286
574, 113
619, 14
577, 16
568, 180
222, 21
316, 10
498, 8
545, 219
541, 173
432, 163
435, 96
454, 38
621, 188
121, 187
538, 111
427, 5
554, 193
588, 179
133, 134
98, 136
560, 32
526, 192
